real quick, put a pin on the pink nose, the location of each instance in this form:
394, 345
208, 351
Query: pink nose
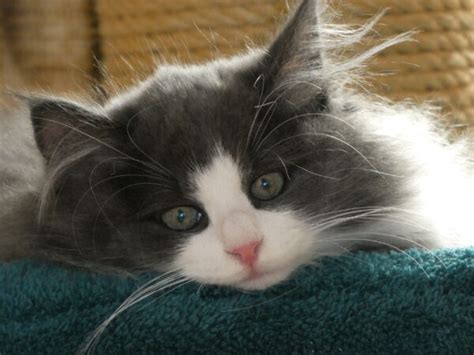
247, 253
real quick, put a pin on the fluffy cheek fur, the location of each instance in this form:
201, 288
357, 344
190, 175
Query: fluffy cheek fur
286, 241
286, 245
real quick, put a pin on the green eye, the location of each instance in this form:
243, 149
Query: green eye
268, 186
181, 218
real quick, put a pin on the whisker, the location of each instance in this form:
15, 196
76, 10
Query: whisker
343, 217
47, 191
352, 257
377, 216
101, 209
339, 119
323, 114
265, 103
146, 290
262, 141
411, 241
261, 303
342, 212
258, 109
334, 138
371, 211
313, 173
339, 262
101, 142
158, 165
265, 121
399, 220
288, 85
391, 246
150, 172
283, 164
199, 289
92, 187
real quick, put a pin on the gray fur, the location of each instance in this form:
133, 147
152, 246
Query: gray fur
112, 168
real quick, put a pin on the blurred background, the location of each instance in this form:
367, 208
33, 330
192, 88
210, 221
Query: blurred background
95, 48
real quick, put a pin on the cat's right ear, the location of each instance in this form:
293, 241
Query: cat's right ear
58, 123
294, 57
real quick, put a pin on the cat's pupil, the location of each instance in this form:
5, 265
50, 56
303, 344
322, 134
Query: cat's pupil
181, 217
265, 184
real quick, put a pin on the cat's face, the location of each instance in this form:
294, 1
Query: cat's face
226, 173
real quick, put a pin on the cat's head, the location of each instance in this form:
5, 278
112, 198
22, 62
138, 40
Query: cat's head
230, 173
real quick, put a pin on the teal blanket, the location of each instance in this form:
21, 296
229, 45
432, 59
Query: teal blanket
419, 303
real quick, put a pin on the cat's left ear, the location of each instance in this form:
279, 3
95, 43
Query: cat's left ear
60, 124
295, 55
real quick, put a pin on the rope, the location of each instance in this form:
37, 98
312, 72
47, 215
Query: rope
50, 42
439, 64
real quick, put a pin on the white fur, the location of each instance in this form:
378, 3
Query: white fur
441, 175
286, 240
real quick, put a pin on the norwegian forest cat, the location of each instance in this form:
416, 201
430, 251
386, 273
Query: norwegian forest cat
235, 172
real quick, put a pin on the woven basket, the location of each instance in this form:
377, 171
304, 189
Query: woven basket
49, 44
138, 34
2, 59
54, 44
437, 66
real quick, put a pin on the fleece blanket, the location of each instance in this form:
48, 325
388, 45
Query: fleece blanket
416, 303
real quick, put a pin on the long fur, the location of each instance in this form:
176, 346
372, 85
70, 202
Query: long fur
406, 132
360, 170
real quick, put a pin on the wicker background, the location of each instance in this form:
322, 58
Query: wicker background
439, 64
96, 47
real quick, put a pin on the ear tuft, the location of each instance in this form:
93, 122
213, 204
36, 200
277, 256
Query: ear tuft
294, 48
55, 119
294, 58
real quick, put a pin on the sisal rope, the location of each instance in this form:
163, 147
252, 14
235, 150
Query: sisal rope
52, 44
48, 43
137, 35
438, 65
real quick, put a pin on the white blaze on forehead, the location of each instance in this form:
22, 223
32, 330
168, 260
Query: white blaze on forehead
219, 187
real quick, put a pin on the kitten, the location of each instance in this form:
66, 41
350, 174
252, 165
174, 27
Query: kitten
239, 171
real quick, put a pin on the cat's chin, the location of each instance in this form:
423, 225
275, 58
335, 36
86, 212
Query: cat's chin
264, 280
